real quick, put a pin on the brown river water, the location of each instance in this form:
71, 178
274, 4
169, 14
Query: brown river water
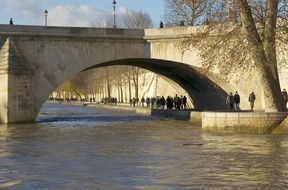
87, 148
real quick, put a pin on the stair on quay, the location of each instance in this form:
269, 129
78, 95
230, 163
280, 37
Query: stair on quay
282, 128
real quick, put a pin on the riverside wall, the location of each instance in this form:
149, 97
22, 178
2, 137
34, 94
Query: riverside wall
247, 122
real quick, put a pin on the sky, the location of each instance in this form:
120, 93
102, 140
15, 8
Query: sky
84, 13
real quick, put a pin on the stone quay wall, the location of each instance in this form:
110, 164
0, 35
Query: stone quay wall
247, 122
173, 114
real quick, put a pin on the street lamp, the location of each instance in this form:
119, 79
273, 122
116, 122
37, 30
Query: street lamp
114, 15
208, 18
46, 15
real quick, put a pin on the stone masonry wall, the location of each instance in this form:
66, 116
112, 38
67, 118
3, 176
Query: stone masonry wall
248, 122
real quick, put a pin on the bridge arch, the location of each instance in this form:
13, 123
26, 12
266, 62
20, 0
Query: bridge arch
205, 94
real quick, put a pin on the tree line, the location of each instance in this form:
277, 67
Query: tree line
99, 84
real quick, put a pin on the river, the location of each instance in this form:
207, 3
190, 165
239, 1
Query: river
83, 147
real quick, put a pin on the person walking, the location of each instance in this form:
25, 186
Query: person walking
252, 99
177, 102
11, 21
237, 101
161, 24
184, 101
134, 101
169, 102
285, 96
142, 101
162, 102
148, 102
230, 100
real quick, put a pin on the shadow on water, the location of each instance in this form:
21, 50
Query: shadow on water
93, 119
52, 112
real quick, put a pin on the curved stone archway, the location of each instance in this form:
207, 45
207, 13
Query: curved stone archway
205, 94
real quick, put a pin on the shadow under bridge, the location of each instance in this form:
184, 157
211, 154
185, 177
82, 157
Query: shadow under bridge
205, 94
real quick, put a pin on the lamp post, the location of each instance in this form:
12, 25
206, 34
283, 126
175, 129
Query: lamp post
46, 15
208, 18
114, 14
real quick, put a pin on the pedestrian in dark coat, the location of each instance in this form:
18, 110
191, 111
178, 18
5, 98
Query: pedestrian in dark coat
11, 21
184, 102
237, 101
161, 24
252, 99
230, 101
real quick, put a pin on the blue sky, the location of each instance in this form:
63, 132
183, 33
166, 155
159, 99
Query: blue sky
74, 12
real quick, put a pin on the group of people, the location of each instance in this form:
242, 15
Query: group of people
111, 101
178, 102
234, 101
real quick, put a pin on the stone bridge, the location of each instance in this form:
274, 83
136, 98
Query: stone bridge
35, 60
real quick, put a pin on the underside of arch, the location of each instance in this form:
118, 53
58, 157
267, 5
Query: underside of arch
206, 94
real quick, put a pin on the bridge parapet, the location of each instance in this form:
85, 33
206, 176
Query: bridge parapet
169, 33
23, 30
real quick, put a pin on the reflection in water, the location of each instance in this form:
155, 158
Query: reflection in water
73, 147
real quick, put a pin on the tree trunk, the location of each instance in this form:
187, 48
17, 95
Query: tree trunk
136, 88
129, 88
265, 63
269, 42
78, 94
103, 90
108, 89
119, 95
108, 85
136, 82
120, 90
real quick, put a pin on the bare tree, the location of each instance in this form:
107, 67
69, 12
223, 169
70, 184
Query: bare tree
135, 79
78, 85
251, 43
133, 19
129, 77
119, 80
185, 12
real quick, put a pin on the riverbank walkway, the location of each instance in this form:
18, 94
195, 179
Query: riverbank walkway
214, 121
